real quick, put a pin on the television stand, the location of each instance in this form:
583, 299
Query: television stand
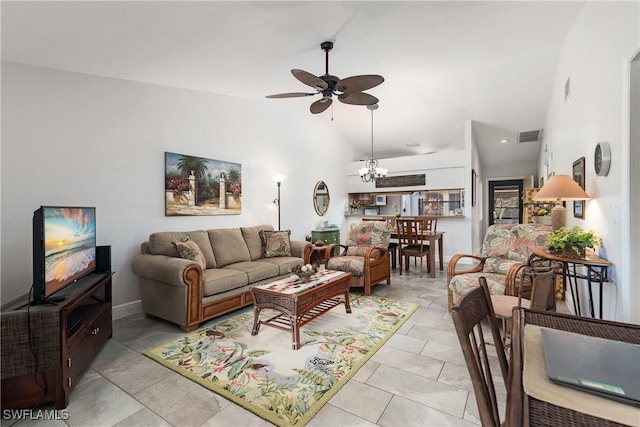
52, 300
65, 337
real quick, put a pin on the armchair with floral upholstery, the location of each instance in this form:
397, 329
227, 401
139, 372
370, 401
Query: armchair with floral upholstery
365, 254
505, 250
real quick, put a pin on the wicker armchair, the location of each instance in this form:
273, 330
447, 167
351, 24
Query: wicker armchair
365, 254
506, 247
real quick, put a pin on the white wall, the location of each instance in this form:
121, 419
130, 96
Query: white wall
596, 54
81, 140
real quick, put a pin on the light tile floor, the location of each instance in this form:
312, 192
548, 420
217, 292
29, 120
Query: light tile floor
418, 378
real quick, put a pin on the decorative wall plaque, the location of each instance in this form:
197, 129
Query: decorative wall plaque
401, 181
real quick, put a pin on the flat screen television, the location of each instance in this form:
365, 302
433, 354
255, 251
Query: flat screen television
64, 248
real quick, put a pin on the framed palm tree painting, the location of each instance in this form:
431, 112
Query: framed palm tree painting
200, 186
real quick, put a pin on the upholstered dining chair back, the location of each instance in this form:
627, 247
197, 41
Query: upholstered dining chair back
468, 316
540, 278
543, 285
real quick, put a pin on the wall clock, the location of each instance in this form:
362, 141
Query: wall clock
602, 159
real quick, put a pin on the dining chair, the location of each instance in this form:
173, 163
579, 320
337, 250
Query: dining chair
469, 315
412, 242
393, 246
541, 278
428, 225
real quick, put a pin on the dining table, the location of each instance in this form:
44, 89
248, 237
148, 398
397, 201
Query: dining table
432, 237
533, 400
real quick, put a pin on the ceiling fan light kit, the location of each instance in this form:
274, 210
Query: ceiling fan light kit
349, 90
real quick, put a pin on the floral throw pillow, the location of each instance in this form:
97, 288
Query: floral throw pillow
276, 243
188, 249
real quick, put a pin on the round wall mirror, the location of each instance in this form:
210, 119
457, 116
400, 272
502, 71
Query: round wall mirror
321, 198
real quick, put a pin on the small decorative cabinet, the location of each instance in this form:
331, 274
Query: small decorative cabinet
328, 236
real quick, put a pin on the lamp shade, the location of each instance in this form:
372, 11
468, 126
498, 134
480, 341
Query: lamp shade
279, 178
561, 188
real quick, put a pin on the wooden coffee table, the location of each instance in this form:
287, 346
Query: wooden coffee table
299, 302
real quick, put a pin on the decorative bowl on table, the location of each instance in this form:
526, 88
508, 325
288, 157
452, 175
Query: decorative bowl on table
304, 272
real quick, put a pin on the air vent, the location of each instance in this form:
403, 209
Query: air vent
529, 136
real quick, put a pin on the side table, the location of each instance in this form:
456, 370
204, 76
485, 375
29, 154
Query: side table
317, 255
597, 272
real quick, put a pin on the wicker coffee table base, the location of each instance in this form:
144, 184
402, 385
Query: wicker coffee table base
296, 310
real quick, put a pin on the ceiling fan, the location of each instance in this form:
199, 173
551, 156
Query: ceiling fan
348, 90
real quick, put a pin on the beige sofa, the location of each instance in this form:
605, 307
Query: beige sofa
180, 291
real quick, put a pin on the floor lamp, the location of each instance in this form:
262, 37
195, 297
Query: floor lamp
278, 179
558, 189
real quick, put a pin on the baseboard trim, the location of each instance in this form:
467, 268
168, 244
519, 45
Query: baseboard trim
126, 309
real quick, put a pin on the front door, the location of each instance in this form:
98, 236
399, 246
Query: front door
505, 202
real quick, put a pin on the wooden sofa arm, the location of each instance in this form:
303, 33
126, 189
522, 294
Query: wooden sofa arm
452, 272
451, 267
171, 288
369, 260
331, 248
515, 283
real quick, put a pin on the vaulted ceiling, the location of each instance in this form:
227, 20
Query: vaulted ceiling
443, 62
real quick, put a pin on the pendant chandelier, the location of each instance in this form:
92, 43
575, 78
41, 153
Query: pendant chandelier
372, 170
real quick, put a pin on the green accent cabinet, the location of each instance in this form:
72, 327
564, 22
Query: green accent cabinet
328, 236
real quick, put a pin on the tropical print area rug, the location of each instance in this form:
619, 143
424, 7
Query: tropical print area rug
265, 375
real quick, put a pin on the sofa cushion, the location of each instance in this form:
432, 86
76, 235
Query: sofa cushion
276, 243
362, 251
369, 233
162, 244
228, 246
188, 249
219, 280
255, 270
498, 265
514, 241
350, 264
284, 263
251, 236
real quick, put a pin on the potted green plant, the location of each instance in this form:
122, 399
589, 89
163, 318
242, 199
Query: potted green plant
572, 242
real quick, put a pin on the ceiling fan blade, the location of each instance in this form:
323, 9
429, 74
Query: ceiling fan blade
320, 105
290, 95
359, 83
309, 79
358, 98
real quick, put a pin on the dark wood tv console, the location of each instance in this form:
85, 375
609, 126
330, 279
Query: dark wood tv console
46, 348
